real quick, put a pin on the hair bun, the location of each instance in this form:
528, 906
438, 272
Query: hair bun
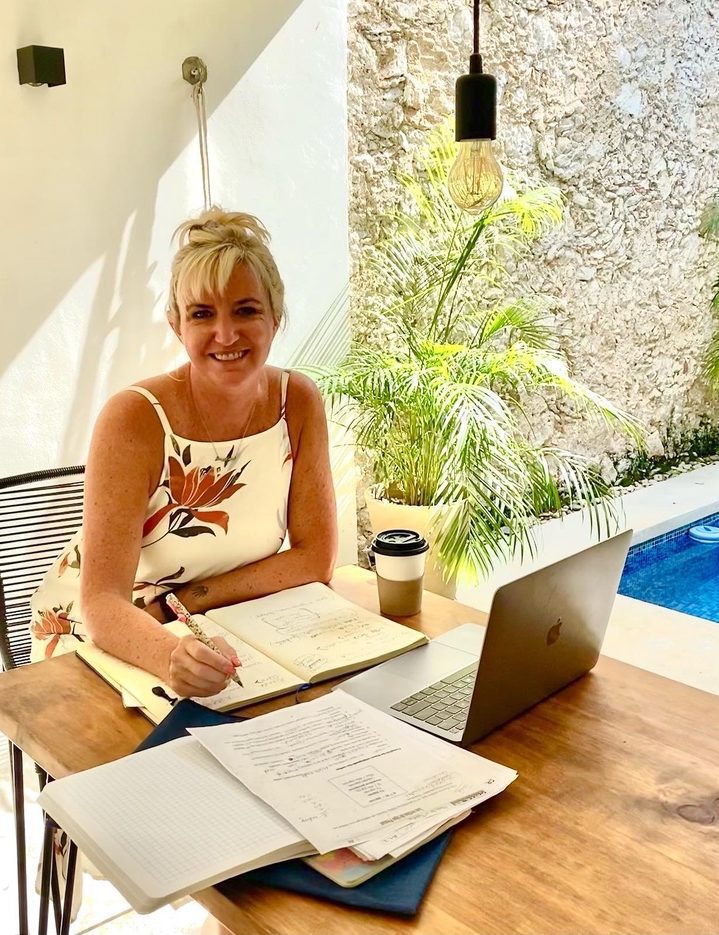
214, 224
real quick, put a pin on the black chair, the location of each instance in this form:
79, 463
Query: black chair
39, 513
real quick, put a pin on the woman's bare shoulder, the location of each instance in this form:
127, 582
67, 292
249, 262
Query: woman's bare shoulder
305, 409
165, 387
129, 437
131, 412
302, 392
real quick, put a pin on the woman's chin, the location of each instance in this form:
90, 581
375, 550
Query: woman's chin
229, 371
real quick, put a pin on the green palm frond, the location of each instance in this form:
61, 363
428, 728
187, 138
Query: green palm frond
522, 320
440, 408
709, 221
709, 229
711, 359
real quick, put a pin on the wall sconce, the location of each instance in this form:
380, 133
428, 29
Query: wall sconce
41, 64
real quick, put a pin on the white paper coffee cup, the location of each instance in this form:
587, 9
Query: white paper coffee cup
399, 557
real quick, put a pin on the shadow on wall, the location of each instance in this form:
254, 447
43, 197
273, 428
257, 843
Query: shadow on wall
124, 275
82, 180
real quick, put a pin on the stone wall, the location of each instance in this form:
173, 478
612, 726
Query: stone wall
616, 102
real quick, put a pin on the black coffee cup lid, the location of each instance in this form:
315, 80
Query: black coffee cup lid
399, 542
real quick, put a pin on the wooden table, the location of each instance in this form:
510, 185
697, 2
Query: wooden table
612, 826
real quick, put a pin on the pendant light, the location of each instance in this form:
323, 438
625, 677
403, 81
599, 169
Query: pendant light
475, 179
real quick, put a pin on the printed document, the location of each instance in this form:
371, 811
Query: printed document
343, 773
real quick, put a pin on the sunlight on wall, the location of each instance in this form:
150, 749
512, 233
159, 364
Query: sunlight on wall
87, 272
38, 373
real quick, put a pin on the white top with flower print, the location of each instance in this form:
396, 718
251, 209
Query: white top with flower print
217, 506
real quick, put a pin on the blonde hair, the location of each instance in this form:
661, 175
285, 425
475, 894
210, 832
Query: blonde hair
211, 246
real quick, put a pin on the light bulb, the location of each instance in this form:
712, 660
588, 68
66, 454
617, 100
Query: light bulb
475, 179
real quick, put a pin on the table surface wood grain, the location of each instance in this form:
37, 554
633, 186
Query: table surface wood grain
611, 827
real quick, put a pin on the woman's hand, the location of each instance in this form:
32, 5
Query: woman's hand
195, 670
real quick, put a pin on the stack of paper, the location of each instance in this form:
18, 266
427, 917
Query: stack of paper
316, 777
346, 775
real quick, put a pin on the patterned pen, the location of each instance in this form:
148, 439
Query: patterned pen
184, 615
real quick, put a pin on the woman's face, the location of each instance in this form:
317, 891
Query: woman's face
228, 336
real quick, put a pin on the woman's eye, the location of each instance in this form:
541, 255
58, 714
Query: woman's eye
200, 313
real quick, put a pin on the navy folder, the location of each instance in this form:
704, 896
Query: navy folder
398, 889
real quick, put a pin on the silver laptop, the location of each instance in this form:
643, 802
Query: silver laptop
544, 630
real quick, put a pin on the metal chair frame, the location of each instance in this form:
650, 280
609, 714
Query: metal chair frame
39, 512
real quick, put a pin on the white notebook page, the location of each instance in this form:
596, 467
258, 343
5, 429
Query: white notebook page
166, 818
311, 629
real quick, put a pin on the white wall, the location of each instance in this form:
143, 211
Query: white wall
95, 176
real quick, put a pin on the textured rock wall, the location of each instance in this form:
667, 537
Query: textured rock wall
616, 102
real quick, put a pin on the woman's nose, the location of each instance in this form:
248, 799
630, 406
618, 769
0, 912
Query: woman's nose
227, 328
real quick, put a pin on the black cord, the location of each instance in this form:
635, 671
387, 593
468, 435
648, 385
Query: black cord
475, 47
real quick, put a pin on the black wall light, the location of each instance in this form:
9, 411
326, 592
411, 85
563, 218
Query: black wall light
41, 64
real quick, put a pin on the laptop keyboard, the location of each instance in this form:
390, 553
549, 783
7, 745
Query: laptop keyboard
444, 704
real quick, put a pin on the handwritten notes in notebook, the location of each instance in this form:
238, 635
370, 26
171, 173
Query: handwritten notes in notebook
314, 632
262, 677
304, 634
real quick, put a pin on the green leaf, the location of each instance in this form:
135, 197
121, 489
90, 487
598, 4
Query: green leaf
440, 399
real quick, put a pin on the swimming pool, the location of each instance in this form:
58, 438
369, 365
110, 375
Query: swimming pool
675, 571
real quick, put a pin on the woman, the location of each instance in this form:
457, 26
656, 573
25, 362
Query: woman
194, 477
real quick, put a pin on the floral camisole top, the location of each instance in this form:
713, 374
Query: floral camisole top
217, 506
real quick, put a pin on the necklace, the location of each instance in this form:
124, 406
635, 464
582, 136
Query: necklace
232, 455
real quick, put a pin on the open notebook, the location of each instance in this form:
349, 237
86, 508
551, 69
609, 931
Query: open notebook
285, 640
157, 845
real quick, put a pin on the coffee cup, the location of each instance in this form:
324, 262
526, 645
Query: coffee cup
399, 556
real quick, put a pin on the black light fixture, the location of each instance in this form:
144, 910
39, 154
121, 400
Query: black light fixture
475, 179
41, 64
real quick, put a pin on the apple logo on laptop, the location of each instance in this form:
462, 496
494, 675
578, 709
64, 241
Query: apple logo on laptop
553, 632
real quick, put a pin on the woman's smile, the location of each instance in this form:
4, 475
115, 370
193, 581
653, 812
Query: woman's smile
230, 355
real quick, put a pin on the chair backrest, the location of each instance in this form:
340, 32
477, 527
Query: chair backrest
39, 513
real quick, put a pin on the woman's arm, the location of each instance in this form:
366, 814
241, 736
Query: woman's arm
312, 516
123, 468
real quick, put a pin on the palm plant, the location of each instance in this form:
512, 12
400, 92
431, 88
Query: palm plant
442, 410
709, 228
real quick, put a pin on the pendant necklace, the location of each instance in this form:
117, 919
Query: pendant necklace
229, 457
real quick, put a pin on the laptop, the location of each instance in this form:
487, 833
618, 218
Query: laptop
544, 631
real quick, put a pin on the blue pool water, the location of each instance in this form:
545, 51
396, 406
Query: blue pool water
675, 571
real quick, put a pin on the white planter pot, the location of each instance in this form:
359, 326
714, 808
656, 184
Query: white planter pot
383, 514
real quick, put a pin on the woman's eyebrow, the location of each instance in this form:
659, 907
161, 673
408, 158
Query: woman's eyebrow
247, 300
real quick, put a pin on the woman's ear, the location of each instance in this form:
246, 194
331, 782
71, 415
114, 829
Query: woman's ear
173, 323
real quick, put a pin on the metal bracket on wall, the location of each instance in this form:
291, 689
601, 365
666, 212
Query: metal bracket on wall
194, 70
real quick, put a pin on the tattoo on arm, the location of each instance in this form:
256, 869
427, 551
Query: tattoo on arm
199, 590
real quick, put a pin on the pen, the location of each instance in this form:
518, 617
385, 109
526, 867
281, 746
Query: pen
183, 614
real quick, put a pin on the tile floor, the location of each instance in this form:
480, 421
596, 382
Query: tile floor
671, 644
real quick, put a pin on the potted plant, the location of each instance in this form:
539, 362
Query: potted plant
440, 402
709, 229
